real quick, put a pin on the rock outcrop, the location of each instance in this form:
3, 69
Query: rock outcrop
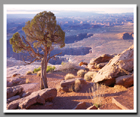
15, 81
100, 61
13, 98
41, 97
121, 64
126, 80
72, 84
81, 105
12, 91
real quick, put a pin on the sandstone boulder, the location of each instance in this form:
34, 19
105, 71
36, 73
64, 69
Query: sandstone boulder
15, 81
26, 94
91, 66
41, 97
101, 59
81, 105
14, 75
28, 86
12, 91
72, 84
100, 65
126, 80
13, 98
121, 64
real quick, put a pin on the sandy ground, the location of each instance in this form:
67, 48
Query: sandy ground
68, 100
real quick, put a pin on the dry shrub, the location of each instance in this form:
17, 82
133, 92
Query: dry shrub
69, 76
77, 86
39, 73
81, 73
29, 73
118, 88
96, 94
27, 81
89, 75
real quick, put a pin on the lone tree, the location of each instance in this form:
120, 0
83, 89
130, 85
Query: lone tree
42, 34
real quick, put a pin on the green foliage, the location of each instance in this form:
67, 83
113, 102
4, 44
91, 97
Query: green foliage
41, 31
63, 63
17, 43
42, 34
97, 105
43, 28
36, 70
50, 68
29, 73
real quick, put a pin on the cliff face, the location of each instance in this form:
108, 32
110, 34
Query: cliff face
75, 38
71, 51
65, 51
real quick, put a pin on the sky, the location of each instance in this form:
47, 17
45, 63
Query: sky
34, 9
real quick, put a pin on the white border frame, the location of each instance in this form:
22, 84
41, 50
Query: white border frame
134, 6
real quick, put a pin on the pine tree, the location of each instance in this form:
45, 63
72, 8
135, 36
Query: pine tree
42, 34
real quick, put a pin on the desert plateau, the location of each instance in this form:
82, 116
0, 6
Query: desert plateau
77, 61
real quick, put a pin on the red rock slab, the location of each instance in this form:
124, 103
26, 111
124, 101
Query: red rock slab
125, 101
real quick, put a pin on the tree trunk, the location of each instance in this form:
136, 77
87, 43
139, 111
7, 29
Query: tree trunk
43, 80
41, 84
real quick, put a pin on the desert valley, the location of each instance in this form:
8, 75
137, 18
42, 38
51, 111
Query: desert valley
94, 72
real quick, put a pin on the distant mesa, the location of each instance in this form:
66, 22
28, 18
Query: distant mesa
75, 38
57, 60
126, 35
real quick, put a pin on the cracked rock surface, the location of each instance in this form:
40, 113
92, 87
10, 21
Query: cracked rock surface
40, 96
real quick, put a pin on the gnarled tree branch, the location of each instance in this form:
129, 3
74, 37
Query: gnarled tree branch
53, 56
27, 63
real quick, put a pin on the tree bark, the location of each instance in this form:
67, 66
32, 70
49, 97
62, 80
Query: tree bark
43, 80
41, 84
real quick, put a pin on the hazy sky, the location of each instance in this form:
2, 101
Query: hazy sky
56, 8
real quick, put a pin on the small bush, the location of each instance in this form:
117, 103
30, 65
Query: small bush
63, 63
36, 70
29, 73
50, 68
39, 73
89, 75
81, 73
77, 85
27, 81
69, 76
